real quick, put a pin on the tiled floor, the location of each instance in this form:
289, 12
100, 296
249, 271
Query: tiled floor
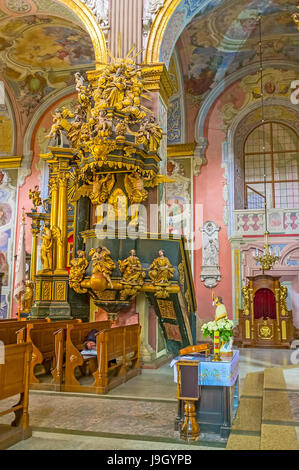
136, 415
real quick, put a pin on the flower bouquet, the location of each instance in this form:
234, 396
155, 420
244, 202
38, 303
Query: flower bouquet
224, 329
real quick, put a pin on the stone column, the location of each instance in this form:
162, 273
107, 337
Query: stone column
147, 353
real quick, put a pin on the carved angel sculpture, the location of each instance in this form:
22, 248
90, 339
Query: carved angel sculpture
102, 263
77, 271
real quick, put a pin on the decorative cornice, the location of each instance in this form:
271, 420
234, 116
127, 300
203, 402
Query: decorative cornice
158, 79
181, 150
11, 162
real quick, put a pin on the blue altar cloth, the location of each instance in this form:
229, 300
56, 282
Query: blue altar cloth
223, 373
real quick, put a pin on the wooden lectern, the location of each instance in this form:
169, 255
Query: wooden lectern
188, 391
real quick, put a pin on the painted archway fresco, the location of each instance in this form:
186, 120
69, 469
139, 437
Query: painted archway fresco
175, 15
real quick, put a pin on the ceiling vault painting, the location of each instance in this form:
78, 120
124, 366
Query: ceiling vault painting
223, 40
40, 50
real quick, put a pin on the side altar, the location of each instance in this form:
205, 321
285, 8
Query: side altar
101, 228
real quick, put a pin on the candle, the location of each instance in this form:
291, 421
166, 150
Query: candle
216, 342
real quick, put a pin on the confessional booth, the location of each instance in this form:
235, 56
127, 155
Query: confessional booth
264, 320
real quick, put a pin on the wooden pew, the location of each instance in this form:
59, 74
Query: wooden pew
75, 338
118, 360
14, 380
42, 338
118, 352
12, 332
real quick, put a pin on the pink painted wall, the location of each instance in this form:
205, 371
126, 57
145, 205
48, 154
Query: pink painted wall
208, 192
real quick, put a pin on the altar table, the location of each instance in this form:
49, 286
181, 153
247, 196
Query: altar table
218, 390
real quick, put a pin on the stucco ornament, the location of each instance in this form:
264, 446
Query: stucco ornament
151, 8
199, 158
210, 273
100, 9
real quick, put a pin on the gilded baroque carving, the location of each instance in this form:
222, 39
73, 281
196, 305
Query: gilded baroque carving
181, 275
46, 290
28, 297
46, 251
161, 270
77, 271
60, 291
102, 263
166, 308
246, 301
35, 196
283, 299
133, 275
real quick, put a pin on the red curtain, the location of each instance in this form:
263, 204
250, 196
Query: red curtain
264, 304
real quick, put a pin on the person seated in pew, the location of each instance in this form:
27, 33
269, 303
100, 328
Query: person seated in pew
90, 343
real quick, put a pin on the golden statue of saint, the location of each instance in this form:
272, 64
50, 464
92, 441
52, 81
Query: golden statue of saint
28, 297
161, 270
220, 312
131, 269
46, 250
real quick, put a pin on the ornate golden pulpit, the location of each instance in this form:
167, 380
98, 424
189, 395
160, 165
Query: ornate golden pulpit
265, 320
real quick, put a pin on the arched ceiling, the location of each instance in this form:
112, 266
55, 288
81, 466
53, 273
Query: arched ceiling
42, 44
223, 40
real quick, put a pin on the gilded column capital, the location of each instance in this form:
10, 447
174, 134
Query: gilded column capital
63, 178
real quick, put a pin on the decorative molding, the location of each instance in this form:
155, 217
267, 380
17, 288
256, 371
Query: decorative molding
11, 162
100, 9
199, 155
181, 150
150, 10
158, 79
226, 82
210, 274
193, 149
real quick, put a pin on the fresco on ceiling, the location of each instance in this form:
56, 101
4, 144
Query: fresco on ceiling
226, 39
182, 15
39, 54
